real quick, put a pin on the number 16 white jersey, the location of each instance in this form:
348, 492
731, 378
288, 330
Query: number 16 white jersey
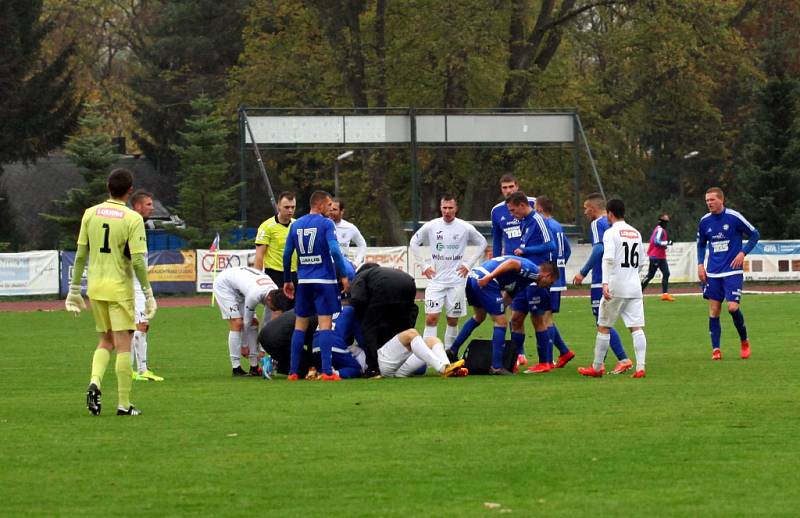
622, 249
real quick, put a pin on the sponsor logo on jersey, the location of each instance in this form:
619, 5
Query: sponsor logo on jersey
108, 212
441, 246
439, 235
310, 259
627, 233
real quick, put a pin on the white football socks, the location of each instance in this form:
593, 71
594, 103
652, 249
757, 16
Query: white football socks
424, 353
601, 345
439, 352
235, 347
450, 335
429, 331
639, 348
140, 350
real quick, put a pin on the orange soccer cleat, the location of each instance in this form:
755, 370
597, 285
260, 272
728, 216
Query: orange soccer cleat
623, 366
540, 368
717, 354
638, 374
522, 360
292, 377
667, 297
564, 359
745, 349
590, 372
334, 376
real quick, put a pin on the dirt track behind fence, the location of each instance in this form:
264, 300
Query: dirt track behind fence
199, 300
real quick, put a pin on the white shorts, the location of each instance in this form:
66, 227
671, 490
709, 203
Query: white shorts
452, 298
230, 304
138, 305
631, 311
395, 361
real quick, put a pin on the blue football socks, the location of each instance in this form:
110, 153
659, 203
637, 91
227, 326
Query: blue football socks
498, 347
466, 330
738, 321
298, 337
518, 339
616, 345
558, 341
715, 330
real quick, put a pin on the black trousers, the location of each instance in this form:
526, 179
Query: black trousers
655, 265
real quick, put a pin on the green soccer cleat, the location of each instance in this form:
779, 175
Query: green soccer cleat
151, 376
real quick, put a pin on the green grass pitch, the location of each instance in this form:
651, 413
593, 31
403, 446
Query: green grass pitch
695, 438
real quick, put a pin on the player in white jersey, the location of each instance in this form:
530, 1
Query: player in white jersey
347, 233
622, 290
238, 292
447, 269
142, 202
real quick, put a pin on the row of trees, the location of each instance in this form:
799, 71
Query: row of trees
652, 80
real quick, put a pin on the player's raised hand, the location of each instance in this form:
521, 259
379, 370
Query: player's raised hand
74, 302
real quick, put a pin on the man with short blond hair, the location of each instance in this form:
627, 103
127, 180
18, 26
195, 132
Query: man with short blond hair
142, 202
720, 233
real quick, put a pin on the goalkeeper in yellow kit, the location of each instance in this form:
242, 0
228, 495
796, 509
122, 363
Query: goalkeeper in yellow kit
113, 237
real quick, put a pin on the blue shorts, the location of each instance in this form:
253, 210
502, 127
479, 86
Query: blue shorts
555, 301
316, 299
728, 288
489, 298
538, 299
596, 295
520, 301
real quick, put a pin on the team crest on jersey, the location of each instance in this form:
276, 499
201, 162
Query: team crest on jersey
725, 226
108, 212
455, 237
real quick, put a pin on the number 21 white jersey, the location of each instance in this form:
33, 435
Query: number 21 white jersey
622, 249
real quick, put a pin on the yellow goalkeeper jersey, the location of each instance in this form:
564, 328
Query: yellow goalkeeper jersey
112, 232
273, 234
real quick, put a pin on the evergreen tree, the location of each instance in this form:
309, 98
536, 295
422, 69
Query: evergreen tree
767, 184
206, 199
91, 150
188, 47
37, 105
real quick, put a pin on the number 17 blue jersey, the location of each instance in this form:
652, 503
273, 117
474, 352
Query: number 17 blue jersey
309, 236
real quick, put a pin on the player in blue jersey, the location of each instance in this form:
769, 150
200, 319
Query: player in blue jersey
537, 245
544, 206
720, 231
313, 237
488, 287
505, 227
594, 207
506, 232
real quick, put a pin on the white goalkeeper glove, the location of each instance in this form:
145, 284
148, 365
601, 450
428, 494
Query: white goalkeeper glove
150, 305
74, 302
